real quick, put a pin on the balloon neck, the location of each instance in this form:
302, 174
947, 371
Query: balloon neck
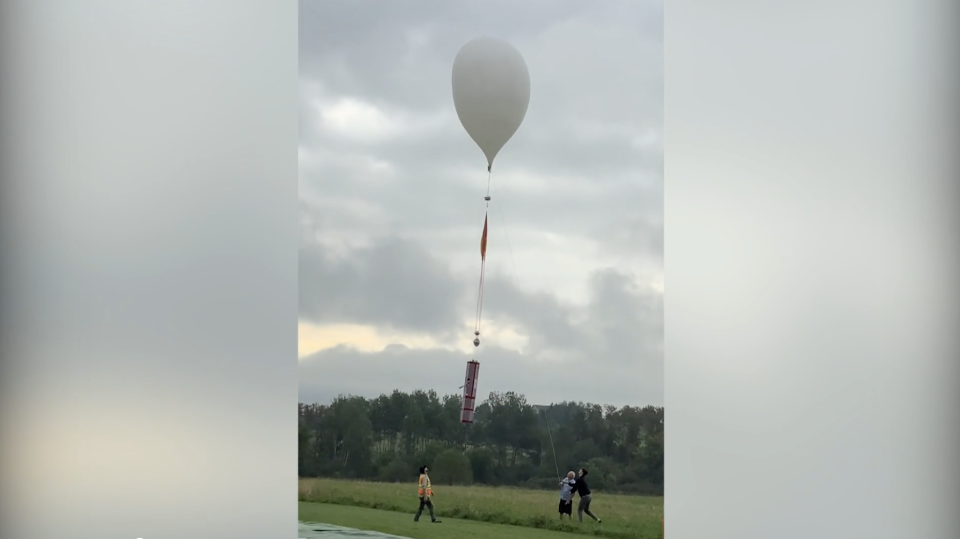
488, 167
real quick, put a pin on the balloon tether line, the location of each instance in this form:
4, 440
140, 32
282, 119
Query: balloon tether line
483, 263
553, 449
476, 329
513, 262
489, 179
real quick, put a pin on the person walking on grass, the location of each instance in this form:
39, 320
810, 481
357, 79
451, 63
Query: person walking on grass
566, 495
584, 491
425, 491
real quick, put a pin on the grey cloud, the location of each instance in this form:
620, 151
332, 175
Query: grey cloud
596, 182
581, 68
621, 325
628, 318
379, 38
341, 370
393, 283
584, 171
424, 195
540, 145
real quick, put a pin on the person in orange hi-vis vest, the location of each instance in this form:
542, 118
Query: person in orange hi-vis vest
425, 491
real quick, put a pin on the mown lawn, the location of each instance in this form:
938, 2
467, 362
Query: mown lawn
624, 517
402, 524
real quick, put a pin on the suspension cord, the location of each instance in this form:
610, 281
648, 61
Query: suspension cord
483, 262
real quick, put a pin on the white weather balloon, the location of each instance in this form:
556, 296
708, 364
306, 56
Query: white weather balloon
491, 92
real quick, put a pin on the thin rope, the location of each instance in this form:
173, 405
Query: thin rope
476, 327
515, 275
553, 449
483, 261
487, 206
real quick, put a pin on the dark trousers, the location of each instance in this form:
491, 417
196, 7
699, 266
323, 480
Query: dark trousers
425, 502
584, 507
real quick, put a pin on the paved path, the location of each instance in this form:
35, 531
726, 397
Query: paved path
311, 530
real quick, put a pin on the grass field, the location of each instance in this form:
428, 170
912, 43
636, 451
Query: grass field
624, 517
402, 524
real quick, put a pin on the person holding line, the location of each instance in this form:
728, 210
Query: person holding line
566, 495
585, 498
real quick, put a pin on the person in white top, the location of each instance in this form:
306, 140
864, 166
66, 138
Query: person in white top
567, 485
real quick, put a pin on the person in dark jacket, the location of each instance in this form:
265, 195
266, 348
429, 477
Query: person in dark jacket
583, 489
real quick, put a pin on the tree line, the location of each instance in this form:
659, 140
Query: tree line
510, 442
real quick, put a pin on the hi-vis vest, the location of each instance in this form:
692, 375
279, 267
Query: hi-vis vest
424, 488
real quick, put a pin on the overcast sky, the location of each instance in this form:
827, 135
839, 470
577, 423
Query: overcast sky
391, 203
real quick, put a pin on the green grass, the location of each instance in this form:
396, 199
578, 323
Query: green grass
624, 517
402, 524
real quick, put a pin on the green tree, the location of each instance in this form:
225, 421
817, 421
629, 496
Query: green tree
388, 437
414, 427
352, 434
452, 467
452, 430
481, 464
512, 426
649, 459
397, 471
428, 453
604, 473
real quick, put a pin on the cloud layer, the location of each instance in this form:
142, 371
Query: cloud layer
391, 194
